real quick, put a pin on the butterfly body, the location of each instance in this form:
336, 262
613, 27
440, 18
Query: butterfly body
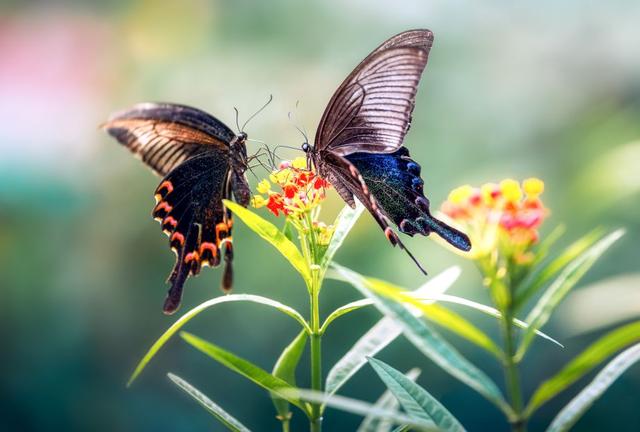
359, 147
202, 162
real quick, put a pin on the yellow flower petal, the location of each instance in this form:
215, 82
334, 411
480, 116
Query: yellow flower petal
511, 190
299, 163
533, 187
264, 186
487, 190
258, 201
460, 194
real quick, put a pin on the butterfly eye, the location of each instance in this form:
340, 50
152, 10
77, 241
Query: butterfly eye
306, 147
243, 136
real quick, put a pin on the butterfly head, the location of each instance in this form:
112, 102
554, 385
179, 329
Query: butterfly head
309, 150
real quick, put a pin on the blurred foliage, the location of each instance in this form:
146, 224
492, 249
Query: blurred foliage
546, 89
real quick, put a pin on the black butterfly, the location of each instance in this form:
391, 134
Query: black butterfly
201, 161
358, 144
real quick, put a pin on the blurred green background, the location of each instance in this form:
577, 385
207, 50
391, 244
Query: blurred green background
548, 89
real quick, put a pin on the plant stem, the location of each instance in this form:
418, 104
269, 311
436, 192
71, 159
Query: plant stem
316, 353
512, 378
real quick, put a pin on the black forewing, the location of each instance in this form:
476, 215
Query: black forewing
164, 135
371, 110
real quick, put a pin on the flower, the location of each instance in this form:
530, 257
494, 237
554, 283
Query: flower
504, 216
323, 232
300, 190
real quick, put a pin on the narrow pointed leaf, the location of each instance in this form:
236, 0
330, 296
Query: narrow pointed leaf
381, 335
285, 369
386, 401
546, 272
223, 417
549, 240
445, 298
595, 354
364, 409
203, 306
247, 369
571, 413
567, 279
273, 235
430, 343
416, 401
438, 314
343, 310
343, 224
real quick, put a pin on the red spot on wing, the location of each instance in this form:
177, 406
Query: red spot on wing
191, 256
165, 188
177, 238
162, 209
391, 236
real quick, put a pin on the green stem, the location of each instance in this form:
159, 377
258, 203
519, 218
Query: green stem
512, 378
316, 353
285, 425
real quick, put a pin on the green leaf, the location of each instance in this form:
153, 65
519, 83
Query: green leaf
542, 251
273, 235
288, 230
285, 369
571, 413
343, 310
223, 417
381, 334
201, 307
416, 401
247, 369
387, 402
488, 310
364, 409
584, 362
343, 224
439, 315
560, 287
430, 343
546, 272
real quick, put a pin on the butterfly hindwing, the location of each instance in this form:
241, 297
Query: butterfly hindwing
394, 180
192, 214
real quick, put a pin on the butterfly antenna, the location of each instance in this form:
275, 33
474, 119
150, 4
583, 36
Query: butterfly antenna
302, 130
237, 119
257, 112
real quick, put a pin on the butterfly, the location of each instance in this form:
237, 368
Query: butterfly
201, 162
358, 145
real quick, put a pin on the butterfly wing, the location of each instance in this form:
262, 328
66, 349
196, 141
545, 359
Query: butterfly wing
164, 135
190, 210
359, 139
395, 183
191, 149
371, 110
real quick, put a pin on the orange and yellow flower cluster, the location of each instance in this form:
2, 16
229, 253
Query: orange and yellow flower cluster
300, 190
505, 215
